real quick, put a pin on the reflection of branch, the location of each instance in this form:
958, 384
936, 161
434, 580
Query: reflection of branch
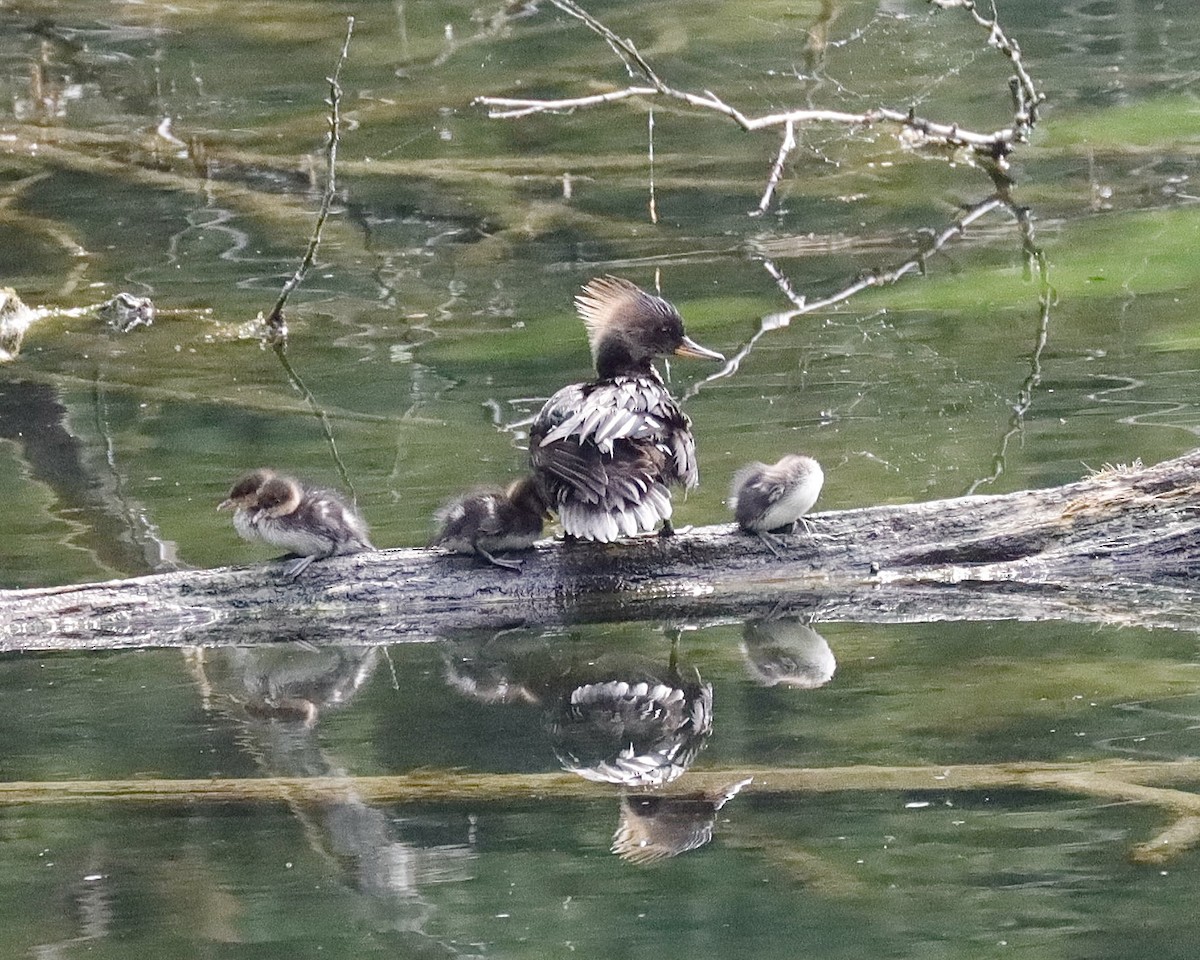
1034, 257
1117, 780
1026, 99
918, 132
877, 278
276, 325
319, 412
140, 529
493, 26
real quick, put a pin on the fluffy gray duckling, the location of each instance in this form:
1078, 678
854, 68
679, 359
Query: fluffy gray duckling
773, 499
490, 519
312, 524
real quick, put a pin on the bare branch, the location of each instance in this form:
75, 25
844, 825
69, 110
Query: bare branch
917, 132
510, 108
634, 62
276, 324
319, 412
1035, 258
785, 149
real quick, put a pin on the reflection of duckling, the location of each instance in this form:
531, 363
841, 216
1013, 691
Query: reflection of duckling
788, 652
773, 499
292, 683
654, 827
607, 451
488, 520
313, 524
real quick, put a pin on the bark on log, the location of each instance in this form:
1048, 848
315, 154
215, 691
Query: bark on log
1117, 547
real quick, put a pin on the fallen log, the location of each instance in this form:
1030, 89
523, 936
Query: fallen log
1119, 546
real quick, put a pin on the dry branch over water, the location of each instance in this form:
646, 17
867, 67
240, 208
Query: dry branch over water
1117, 547
915, 132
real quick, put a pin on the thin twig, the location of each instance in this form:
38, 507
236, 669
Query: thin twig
650, 138
276, 324
785, 149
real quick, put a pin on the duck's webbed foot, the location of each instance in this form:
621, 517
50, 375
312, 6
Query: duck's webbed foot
514, 565
771, 541
667, 529
810, 527
298, 566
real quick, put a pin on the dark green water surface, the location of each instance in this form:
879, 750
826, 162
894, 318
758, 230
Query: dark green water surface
174, 151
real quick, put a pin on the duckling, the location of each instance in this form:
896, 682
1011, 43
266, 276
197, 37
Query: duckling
491, 519
313, 524
773, 499
605, 453
243, 498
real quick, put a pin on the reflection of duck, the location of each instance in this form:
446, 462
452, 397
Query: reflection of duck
606, 452
642, 734
773, 499
489, 520
313, 524
786, 651
635, 724
654, 827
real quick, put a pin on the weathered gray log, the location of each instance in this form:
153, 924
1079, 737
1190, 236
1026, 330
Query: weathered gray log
1117, 547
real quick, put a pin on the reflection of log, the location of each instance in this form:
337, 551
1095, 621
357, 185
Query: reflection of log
1116, 547
1145, 782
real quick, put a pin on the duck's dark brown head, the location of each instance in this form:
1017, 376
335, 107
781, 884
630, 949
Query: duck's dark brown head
244, 492
628, 327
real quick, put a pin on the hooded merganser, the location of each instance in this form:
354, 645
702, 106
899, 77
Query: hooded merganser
655, 827
313, 524
606, 452
491, 519
641, 734
773, 499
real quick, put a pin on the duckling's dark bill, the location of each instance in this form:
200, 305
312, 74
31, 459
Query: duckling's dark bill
690, 348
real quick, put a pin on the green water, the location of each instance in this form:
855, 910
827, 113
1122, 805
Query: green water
436, 320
